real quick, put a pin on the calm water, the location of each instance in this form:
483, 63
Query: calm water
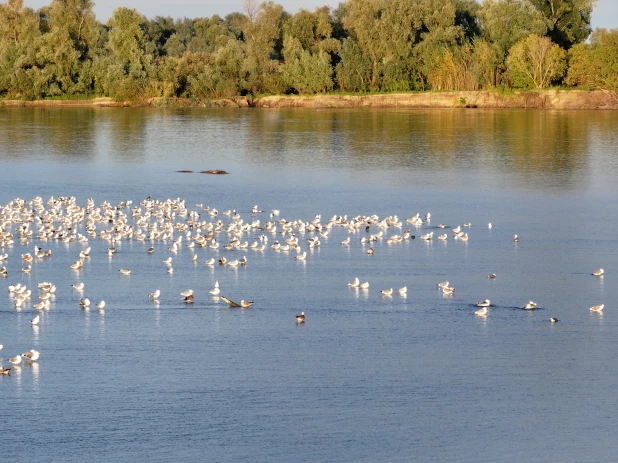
366, 378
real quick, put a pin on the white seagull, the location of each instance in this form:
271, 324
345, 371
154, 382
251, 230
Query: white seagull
482, 311
32, 355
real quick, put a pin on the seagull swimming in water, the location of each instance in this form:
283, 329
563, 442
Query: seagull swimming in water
35, 320
300, 318
597, 308
485, 303
599, 272
188, 292
482, 311
155, 295
355, 283
32, 355
216, 290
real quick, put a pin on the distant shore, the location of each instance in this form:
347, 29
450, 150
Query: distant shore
539, 99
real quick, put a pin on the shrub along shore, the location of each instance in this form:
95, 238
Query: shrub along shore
540, 99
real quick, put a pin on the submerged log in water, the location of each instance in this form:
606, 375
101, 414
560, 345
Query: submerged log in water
214, 171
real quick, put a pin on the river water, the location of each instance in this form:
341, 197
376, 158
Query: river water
367, 377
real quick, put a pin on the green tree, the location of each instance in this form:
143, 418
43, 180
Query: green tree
535, 62
466, 16
210, 34
129, 76
261, 30
485, 65
304, 71
384, 31
158, 31
568, 21
595, 65
353, 72
506, 22
67, 48
20, 41
439, 51
312, 29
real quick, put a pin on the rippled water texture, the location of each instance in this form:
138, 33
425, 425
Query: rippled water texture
367, 377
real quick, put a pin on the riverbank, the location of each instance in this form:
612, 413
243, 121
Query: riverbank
541, 99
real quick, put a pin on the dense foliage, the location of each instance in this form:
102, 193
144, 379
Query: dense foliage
61, 50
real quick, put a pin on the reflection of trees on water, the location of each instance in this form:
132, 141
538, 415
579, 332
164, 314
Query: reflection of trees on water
555, 148
554, 144
543, 141
123, 134
63, 133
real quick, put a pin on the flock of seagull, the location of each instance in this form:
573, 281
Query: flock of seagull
170, 222
484, 305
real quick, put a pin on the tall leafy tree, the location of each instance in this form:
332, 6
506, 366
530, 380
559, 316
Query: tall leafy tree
506, 22
595, 65
262, 36
503, 24
158, 31
210, 34
20, 40
384, 30
128, 78
568, 21
304, 71
353, 72
535, 62
72, 36
438, 52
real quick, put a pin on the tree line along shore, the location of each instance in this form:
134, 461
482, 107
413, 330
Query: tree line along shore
364, 53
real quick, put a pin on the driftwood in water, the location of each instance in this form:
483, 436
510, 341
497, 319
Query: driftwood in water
214, 171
